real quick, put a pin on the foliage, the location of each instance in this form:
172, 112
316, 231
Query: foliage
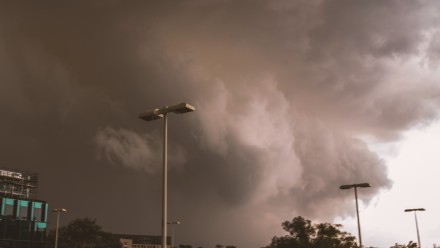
83, 233
304, 234
409, 245
228, 246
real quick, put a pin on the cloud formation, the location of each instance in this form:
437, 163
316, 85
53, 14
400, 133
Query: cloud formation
284, 93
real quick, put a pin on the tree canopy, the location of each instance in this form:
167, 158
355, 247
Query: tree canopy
409, 245
304, 234
84, 233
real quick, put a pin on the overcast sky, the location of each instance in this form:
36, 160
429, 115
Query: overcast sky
293, 99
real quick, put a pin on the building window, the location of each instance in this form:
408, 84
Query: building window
37, 211
23, 207
8, 207
40, 230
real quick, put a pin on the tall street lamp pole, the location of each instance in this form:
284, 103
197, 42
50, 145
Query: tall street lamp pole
152, 115
173, 223
417, 225
355, 186
58, 210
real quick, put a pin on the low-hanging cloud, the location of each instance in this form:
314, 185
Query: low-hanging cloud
133, 150
129, 149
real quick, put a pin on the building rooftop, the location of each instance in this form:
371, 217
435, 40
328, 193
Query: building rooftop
18, 183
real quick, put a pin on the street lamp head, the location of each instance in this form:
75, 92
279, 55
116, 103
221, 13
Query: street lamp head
59, 210
415, 209
155, 114
346, 187
174, 223
151, 115
181, 108
357, 185
363, 185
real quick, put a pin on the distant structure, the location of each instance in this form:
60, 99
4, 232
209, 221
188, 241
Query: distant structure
141, 241
23, 218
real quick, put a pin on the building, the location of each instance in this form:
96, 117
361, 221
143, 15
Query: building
141, 241
23, 218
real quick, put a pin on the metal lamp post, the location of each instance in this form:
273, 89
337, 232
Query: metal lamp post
355, 186
152, 115
173, 223
419, 244
58, 210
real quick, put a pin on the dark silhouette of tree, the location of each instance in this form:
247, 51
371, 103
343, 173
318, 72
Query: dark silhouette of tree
304, 234
329, 235
81, 233
409, 245
228, 246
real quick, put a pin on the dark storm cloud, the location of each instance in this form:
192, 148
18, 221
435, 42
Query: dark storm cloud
433, 53
284, 91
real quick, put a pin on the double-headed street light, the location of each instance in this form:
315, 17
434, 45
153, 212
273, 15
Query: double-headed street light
417, 225
152, 115
58, 211
173, 223
355, 186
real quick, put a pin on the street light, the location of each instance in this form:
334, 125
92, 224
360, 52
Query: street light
152, 115
355, 186
173, 223
58, 210
417, 225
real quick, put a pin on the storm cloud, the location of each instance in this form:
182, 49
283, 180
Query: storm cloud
285, 94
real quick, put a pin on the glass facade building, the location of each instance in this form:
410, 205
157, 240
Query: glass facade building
23, 220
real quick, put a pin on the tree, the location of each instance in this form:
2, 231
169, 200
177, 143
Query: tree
409, 245
304, 234
81, 233
228, 246
329, 235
